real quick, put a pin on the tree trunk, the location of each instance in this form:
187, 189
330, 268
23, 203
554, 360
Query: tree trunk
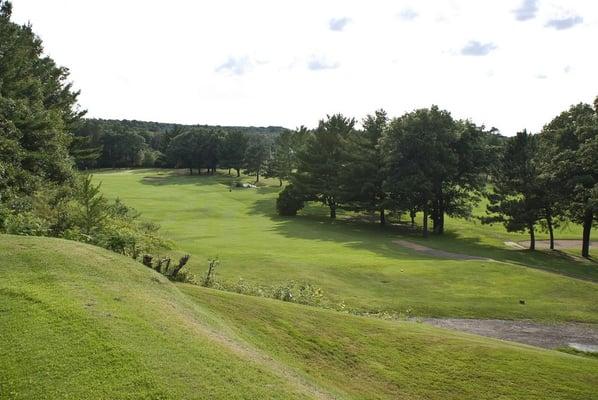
257, 176
440, 217
425, 222
412, 214
332, 206
238, 172
532, 237
588, 218
229, 171
382, 217
550, 229
280, 181
190, 171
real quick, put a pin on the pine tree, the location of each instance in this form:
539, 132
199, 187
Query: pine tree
283, 160
257, 156
571, 142
365, 172
318, 175
516, 200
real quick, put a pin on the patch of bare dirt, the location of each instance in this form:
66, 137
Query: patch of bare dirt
437, 253
527, 332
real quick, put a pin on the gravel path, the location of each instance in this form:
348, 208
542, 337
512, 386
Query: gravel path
437, 253
579, 335
558, 244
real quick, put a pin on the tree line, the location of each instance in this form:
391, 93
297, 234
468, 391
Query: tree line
427, 163
424, 162
99, 143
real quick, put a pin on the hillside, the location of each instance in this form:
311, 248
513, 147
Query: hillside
81, 322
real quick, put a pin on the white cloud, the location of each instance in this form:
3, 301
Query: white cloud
408, 14
475, 48
527, 10
564, 23
267, 62
338, 24
320, 63
235, 65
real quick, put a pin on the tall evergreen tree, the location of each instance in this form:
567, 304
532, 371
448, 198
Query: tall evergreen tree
319, 166
516, 200
257, 156
284, 157
365, 170
234, 147
37, 110
572, 145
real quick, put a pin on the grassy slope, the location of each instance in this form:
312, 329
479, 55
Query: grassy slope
356, 262
81, 322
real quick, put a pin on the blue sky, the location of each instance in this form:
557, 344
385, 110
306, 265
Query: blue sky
512, 64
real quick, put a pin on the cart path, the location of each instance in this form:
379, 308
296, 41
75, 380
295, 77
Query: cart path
558, 244
550, 336
437, 253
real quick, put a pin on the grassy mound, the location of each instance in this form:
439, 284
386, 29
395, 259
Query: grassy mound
81, 322
358, 263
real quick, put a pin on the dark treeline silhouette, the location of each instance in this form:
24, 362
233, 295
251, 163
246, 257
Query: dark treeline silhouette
100, 143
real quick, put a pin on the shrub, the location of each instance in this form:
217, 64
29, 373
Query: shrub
26, 223
289, 201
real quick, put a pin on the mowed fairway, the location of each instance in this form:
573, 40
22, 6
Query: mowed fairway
357, 263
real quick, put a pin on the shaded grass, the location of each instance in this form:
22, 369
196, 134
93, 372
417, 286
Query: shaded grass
354, 262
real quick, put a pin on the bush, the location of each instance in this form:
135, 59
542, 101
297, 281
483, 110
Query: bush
26, 224
289, 201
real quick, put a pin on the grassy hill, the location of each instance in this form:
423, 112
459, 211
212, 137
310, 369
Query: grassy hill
354, 262
81, 322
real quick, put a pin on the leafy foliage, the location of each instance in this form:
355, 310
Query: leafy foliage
289, 201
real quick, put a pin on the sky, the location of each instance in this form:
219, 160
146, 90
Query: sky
509, 64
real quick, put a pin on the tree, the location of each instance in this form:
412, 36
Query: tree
319, 166
84, 152
93, 205
517, 200
234, 147
436, 165
422, 162
363, 176
37, 110
572, 144
256, 156
183, 150
283, 160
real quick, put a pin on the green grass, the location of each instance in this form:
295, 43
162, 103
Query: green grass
81, 322
353, 262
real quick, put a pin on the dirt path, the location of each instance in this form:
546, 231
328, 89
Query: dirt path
577, 335
437, 253
558, 244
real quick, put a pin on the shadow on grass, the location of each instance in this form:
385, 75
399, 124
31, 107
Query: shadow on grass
356, 233
182, 177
